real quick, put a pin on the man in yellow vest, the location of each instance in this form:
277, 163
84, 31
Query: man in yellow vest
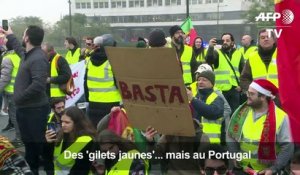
260, 130
74, 53
9, 69
86, 52
208, 105
228, 63
60, 72
262, 63
99, 84
248, 46
184, 52
57, 109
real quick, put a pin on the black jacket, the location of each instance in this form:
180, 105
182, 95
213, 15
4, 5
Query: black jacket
31, 80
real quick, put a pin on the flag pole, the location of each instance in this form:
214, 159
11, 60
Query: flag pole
187, 8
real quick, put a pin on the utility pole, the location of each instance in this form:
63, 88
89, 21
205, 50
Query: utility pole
218, 16
187, 8
70, 18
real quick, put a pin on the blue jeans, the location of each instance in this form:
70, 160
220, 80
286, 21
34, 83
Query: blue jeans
32, 124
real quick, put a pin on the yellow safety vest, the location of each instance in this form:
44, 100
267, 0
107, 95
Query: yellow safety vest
62, 165
260, 71
212, 128
15, 59
122, 167
72, 59
87, 58
100, 83
51, 116
186, 64
201, 58
225, 77
251, 134
248, 52
54, 88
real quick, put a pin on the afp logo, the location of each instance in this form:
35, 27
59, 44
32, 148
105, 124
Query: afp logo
287, 16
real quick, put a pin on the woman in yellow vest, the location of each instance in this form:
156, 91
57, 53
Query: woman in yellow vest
118, 146
199, 55
72, 143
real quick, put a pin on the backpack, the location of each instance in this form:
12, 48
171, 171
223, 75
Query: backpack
68, 87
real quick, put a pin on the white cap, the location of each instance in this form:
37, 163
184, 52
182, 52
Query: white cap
203, 67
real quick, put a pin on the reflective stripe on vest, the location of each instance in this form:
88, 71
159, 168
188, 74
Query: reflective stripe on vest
63, 165
54, 88
51, 115
251, 137
122, 167
225, 77
15, 59
212, 128
186, 61
248, 52
72, 59
259, 70
100, 83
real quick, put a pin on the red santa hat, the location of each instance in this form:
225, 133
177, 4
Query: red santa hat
265, 87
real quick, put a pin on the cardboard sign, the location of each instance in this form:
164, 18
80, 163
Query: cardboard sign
151, 84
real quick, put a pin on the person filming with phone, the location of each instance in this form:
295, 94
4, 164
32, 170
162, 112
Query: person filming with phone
76, 137
228, 64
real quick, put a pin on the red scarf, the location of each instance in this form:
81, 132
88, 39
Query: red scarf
266, 148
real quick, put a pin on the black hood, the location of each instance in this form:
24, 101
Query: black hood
98, 57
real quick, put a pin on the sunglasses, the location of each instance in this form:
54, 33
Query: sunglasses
88, 44
219, 170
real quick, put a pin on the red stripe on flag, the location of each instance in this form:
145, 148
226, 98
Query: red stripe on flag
288, 62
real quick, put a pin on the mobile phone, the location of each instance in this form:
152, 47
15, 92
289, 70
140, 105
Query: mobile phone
219, 42
51, 126
5, 24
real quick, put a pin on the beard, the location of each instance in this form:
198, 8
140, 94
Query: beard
178, 40
226, 47
255, 104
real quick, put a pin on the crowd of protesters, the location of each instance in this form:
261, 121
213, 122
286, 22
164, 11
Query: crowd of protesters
232, 92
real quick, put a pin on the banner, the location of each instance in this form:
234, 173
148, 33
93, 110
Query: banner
152, 89
78, 71
189, 30
288, 61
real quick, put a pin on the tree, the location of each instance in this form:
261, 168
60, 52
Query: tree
255, 9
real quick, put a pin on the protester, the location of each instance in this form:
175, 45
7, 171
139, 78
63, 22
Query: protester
228, 63
184, 52
9, 69
208, 106
76, 136
99, 85
199, 53
54, 120
114, 144
86, 52
262, 63
30, 92
73, 55
261, 129
157, 38
59, 72
211, 164
248, 46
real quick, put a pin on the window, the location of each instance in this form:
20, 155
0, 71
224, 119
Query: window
208, 1
77, 5
136, 3
83, 5
96, 5
117, 4
88, 5
154, 3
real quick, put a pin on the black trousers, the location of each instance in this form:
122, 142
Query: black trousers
32, 123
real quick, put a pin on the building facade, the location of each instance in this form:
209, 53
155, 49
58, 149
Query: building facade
130, 19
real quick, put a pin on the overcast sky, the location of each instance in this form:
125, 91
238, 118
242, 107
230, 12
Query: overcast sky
48, 10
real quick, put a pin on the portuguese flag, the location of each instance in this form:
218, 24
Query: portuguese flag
288, 61
189, 30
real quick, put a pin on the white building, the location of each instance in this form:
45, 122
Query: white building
132, 18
